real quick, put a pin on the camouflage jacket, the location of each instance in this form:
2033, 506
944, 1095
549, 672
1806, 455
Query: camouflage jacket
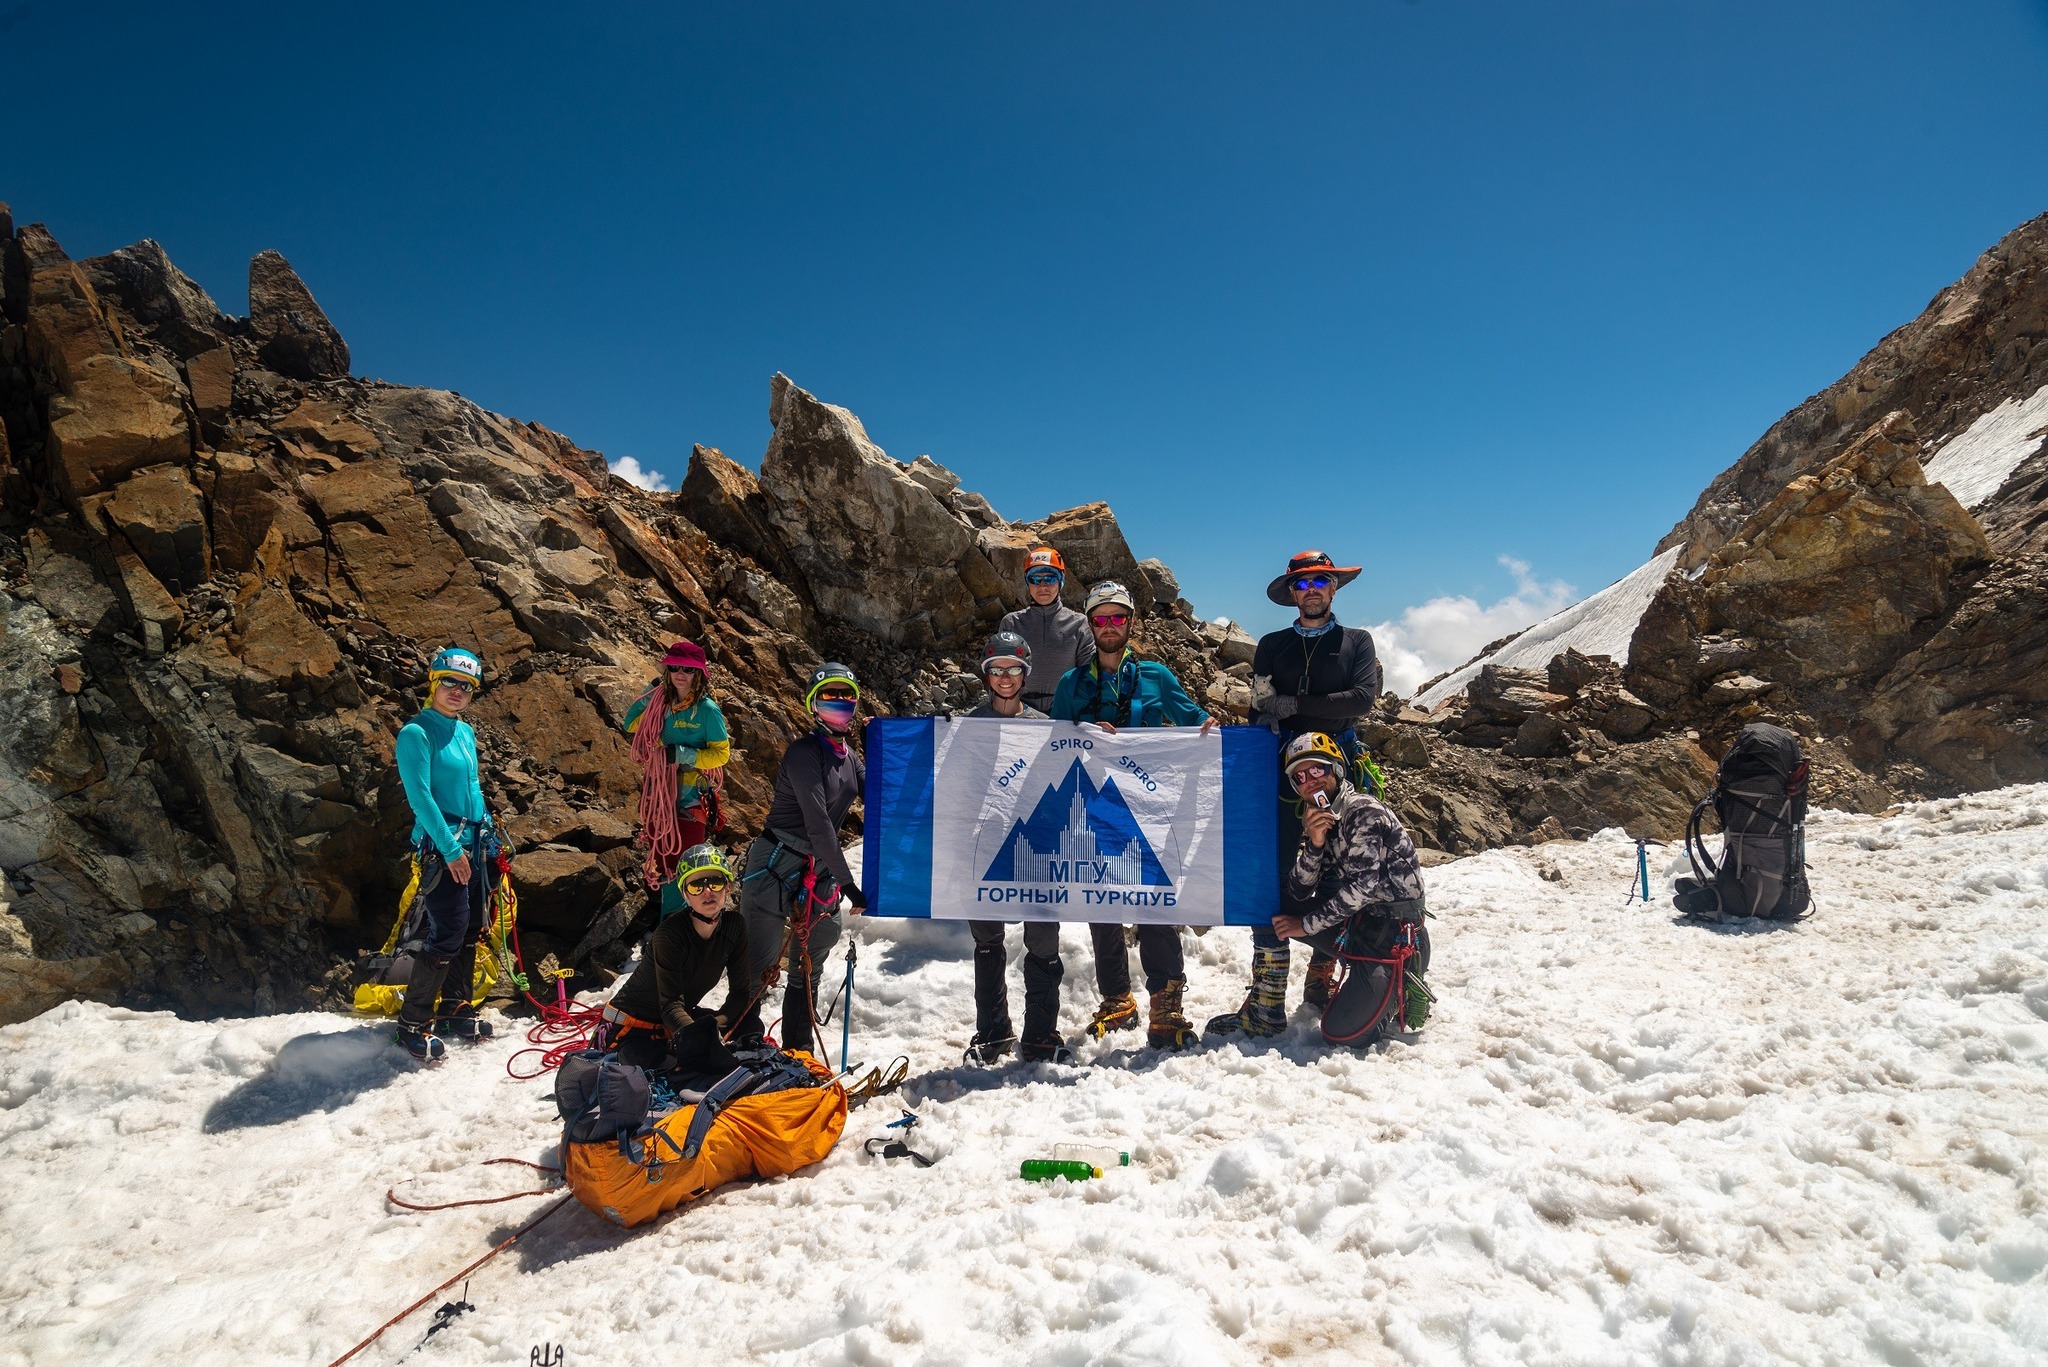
1366, 859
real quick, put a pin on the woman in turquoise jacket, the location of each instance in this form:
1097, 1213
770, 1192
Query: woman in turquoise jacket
452, 840
680, 751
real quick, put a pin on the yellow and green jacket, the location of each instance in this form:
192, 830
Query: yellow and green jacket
697, 742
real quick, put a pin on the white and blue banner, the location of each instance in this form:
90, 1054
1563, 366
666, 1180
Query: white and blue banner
1000, 820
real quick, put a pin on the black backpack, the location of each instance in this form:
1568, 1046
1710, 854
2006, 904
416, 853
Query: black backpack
1760, 796
601, 1099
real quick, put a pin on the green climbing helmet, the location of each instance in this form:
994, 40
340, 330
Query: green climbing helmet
702, 859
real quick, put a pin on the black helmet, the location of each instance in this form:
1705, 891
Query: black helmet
830, 672
1006, 645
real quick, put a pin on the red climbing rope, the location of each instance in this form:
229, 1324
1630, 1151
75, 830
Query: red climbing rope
393, 1197
564, 1026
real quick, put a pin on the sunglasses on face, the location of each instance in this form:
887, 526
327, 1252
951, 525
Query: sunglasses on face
837, 695
710, 882
458, 686
1005, 671
1309, 771
1110, 619
1312, 581
1042, 577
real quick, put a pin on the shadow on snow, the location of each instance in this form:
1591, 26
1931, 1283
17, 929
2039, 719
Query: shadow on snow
319, 1072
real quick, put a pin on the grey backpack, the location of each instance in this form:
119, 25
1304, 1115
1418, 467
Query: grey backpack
1760, 796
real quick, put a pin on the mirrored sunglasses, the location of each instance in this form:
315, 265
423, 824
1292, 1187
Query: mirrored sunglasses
1301, 771
1004, 671
709, 882
1042, 577
1311, 581
1110, 619
459, 685
838, 695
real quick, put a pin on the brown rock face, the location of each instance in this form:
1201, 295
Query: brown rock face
112, 413
403, 568
1834, 575
293, 336
161, 515
835, 498
1977, 344
1970, 702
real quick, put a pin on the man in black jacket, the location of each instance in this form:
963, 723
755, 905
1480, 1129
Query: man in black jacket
1315, 675
655, 1019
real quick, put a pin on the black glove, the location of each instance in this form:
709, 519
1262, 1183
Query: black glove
699, 1049
854, 895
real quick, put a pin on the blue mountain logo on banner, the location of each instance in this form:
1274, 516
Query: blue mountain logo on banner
1078, 833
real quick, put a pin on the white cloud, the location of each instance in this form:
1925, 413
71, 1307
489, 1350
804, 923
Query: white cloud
1445, 632
637, 475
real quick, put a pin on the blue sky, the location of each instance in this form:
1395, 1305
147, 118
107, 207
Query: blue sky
1429, 284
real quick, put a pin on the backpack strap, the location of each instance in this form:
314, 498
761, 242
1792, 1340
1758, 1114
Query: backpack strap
708, 1109
1703, 865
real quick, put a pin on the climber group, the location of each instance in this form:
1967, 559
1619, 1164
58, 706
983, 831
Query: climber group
1350, 881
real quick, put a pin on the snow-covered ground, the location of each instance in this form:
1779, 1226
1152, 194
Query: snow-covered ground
1622, 1140
1602, 624
1977, 461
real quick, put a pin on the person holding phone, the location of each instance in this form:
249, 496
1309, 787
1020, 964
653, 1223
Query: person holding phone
1355, 875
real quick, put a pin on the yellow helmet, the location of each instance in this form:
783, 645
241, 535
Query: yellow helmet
1312, 747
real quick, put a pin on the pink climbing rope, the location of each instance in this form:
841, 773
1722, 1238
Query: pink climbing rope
658, 825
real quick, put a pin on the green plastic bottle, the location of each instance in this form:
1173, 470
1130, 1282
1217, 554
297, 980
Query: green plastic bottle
1045, 1169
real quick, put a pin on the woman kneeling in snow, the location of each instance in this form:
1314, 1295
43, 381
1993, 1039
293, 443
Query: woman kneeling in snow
1357, 873
654, 1021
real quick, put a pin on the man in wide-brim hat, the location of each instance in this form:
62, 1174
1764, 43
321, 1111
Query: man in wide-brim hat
1314, 675
1309, 565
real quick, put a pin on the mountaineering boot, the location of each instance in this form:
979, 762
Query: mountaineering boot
1168, 1028
1116, 1013
464, 1023
1322, 982
986, 1049
1264, 1011
420, 1044
1049, 1049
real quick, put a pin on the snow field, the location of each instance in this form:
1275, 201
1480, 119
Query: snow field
1621, 1140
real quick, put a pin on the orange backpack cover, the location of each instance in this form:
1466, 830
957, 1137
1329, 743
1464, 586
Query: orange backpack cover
754, 1136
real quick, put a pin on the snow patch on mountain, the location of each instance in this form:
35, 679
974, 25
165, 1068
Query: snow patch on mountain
1975, 464
1602, 624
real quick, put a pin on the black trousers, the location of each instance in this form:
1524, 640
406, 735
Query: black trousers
446, 965
1159, 955
1042, 974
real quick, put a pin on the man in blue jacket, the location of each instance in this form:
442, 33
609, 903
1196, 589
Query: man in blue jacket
1113, 690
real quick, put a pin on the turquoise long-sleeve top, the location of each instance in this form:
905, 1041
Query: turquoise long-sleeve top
437, 764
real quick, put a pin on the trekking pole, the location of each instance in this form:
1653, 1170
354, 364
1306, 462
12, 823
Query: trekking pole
846, 1009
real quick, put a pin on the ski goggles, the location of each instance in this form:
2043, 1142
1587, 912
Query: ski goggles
1043, 576
1110, 619
1310, 581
